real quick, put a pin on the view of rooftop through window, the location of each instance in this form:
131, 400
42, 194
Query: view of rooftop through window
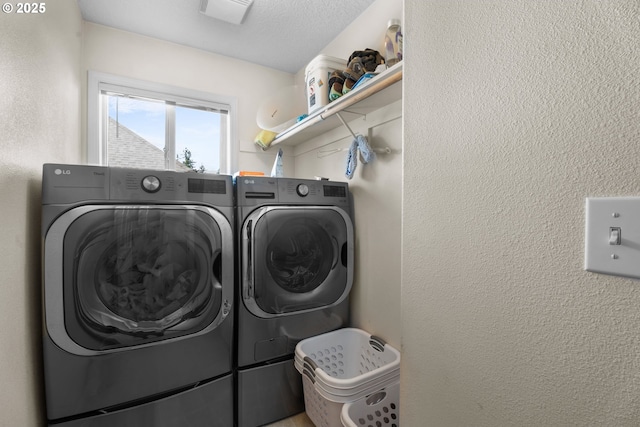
197, 133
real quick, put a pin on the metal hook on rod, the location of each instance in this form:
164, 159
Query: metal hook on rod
356, 113
346, 125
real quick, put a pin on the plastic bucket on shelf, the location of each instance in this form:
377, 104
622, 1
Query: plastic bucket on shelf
317, 80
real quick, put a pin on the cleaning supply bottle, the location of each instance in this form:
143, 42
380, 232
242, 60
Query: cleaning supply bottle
393, 43
277, 170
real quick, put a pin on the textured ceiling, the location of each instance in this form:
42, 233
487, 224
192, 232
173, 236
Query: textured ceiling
281, 34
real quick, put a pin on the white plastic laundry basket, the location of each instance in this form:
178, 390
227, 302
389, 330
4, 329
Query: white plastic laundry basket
340, 367
322, 411
346, 358
379, 409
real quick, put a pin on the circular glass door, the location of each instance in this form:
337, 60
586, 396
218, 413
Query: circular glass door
300, 258
299, 253
137, 275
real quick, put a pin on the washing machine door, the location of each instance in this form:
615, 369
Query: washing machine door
296, 259
117, 277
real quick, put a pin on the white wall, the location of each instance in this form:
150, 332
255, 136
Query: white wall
376, 187
127, 54
39, 112
515, 111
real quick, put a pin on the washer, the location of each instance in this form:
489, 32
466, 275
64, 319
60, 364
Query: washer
138, 276
296, 249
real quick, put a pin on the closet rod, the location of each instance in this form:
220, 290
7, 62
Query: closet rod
323, 153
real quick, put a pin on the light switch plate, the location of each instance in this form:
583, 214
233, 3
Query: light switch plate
612, 236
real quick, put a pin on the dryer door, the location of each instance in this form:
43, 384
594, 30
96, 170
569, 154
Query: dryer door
296, 259
123, 276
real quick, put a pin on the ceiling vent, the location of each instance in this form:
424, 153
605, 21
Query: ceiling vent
232, 11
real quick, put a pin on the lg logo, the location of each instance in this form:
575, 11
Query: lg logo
62, 172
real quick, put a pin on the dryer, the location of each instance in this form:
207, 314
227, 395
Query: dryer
296, 250
138, 276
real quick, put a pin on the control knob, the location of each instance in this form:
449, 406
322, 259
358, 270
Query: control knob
302, 190
151, 184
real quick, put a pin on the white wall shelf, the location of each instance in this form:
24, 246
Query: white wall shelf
381, 90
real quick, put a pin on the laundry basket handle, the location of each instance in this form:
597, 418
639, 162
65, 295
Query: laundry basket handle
309, 368
377, 343
309, 375
310, 364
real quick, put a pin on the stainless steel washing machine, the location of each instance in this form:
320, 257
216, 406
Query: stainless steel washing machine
296, 249
138, 278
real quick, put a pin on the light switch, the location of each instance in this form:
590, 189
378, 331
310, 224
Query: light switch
612, 236
615, 236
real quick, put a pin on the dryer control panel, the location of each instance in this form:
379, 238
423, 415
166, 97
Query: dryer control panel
311, 191
265, 190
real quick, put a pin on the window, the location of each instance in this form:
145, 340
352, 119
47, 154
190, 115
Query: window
150, 126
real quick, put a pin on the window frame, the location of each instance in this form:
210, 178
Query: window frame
97, 107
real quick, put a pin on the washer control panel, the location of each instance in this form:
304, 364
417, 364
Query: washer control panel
67, 183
